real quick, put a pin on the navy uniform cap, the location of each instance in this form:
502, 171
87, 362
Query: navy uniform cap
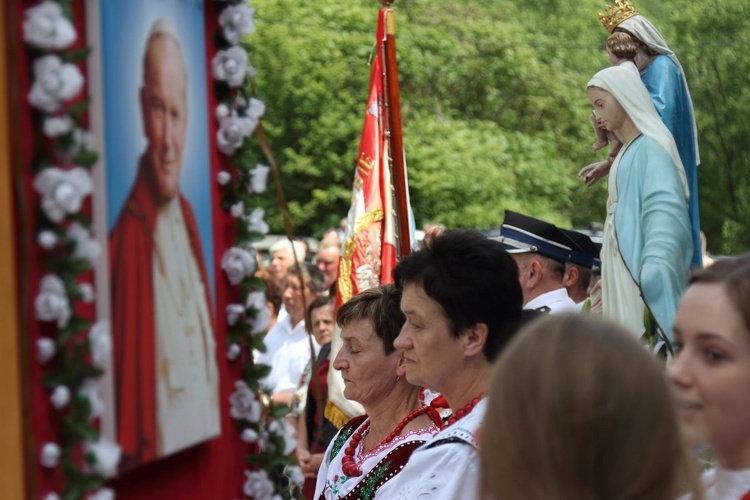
521, 233
584, 251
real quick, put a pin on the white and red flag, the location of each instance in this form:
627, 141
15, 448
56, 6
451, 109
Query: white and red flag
371, 246
369, 249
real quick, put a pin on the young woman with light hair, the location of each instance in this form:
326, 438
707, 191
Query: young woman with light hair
578, 410
710, 372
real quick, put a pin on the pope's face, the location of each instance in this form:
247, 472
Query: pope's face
164, 111
710, 373
607, 111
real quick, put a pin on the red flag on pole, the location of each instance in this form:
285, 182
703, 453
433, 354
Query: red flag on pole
369, 250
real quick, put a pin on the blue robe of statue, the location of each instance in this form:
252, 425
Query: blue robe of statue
648, 218
670, 95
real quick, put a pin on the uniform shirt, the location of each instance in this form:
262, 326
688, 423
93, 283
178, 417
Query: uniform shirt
554, 302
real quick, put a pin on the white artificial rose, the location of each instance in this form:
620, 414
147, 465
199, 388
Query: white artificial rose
257, 301
256, 221
47, 239
62, 191
237, 209
45, 350
106, 456
238, 264
288, 433
234, 312
90, 390
256, 109
235, 21
295, 475
54, 82
231, 65
249, 436
52, 303
100, 342
60, 397
258, 486
50, 455
233, 129
45, 27
51, 496
258, 178
244, 404
222, 111
55, 126
232, 132
86, 247
233, 352
223, 178
87, 292
102, 494
282, 430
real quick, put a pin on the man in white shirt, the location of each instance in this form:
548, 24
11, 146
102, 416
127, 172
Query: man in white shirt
288, 345
541, 250
284, 254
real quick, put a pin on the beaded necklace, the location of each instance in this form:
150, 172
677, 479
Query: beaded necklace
349, 466
462, 412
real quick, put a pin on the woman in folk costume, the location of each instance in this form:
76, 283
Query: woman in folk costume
664, 78
371, 449
647, 246
462, 300
710, 373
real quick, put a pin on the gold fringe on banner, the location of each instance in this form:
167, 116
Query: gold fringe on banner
335, 415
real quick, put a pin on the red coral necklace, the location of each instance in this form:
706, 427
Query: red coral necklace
462, 412
349, 466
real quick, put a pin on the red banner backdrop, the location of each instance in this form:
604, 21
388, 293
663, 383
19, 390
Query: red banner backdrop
214, 469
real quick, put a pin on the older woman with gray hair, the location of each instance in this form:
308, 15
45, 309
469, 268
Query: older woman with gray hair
371, 449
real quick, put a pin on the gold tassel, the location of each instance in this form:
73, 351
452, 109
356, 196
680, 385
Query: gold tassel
334, 415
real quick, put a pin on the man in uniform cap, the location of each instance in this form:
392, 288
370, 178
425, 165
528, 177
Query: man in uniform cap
584, 260
541, 250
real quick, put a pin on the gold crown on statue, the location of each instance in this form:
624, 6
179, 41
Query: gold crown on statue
622, 10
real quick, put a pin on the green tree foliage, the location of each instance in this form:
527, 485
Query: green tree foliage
493, 102
713, 39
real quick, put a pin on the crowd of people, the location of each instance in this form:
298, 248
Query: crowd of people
468, 394
514, 366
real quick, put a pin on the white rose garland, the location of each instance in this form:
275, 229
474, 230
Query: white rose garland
52, 303
62, 191
236, 21
46, 28
238, 118
54, 82
106, 456
238, 264
244, 405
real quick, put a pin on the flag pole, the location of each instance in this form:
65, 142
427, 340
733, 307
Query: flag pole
396, 134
